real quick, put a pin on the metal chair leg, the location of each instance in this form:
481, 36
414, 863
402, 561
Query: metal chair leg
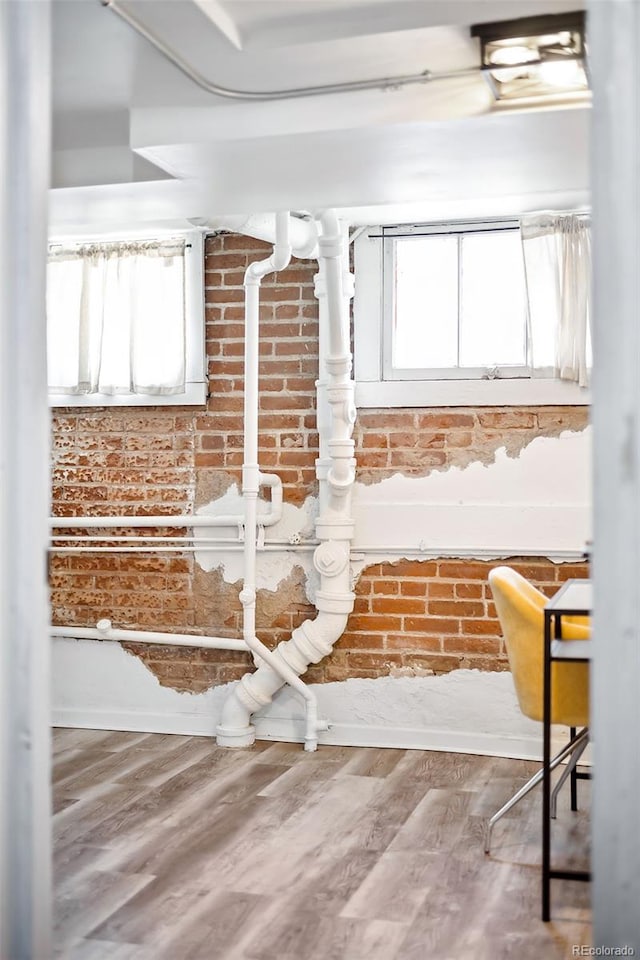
569, 770
574, 778
582, 737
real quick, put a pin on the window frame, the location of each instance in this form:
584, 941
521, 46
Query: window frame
196, 383
373, 318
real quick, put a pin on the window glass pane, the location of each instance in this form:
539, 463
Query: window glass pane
493, 307
425, 330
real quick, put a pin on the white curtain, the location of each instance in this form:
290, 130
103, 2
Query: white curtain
116, 319
557, 258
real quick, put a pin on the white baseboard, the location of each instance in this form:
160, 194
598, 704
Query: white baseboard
291, 730
99, 686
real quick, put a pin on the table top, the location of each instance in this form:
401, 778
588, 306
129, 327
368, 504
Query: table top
574, 597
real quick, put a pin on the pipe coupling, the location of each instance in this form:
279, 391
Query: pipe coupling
330, 247
338, 366
249, 694
334, 604
335, 528
247, 596
251, 479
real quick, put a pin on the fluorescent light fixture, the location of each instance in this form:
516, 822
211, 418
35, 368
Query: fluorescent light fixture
534, 57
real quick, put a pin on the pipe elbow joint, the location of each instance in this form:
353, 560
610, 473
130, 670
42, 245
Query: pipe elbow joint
315, 639
281, 257
235, 729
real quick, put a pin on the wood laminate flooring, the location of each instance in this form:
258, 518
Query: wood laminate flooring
171, 848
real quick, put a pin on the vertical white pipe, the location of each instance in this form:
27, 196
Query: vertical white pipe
250, 470
314, 639
25, 845
252, 479
323, 410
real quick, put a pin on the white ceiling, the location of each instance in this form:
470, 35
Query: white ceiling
126, 120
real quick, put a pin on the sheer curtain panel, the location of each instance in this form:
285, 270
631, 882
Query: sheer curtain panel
116, 319
557, 257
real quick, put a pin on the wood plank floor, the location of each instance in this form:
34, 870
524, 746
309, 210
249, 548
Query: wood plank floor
170, 848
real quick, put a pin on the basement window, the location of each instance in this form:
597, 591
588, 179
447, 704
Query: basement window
125, 322
442, 319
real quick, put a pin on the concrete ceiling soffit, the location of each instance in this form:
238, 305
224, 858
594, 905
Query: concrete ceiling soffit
220, 17
277, 23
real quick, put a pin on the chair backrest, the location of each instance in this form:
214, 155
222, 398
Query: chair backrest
520, 611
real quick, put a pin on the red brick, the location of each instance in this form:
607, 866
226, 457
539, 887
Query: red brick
404, 641
431, 625
456, 608
397, 605
374, 623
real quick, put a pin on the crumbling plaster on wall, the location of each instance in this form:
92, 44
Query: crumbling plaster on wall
537, 500
536, 503
531, 501
98, 685
218, 612
420, 442
296, 525
218, 609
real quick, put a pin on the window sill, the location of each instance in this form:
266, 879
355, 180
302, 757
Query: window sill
194, 395
469, 393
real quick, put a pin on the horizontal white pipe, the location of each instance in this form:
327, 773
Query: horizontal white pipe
144, 636
303, 235
197, 542
84, 523
185, 548
270, 480
60, 538
474, 553
410, 550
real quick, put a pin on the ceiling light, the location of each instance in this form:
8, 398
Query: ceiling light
534, 57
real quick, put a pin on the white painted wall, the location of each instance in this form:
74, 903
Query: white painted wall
537, 503
99, 685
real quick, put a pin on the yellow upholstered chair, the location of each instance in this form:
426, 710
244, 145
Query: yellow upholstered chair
520, 611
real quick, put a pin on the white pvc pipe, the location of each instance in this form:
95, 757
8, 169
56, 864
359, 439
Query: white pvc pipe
251, 475
314, 640
303, 236
252, 478
186, 548
85, 523
331, 251
104, 631
60, 539
273, 516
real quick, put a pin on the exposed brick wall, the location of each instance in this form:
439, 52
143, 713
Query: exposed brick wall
288, 439
410, 617
431, 616
166, 460
416, 442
